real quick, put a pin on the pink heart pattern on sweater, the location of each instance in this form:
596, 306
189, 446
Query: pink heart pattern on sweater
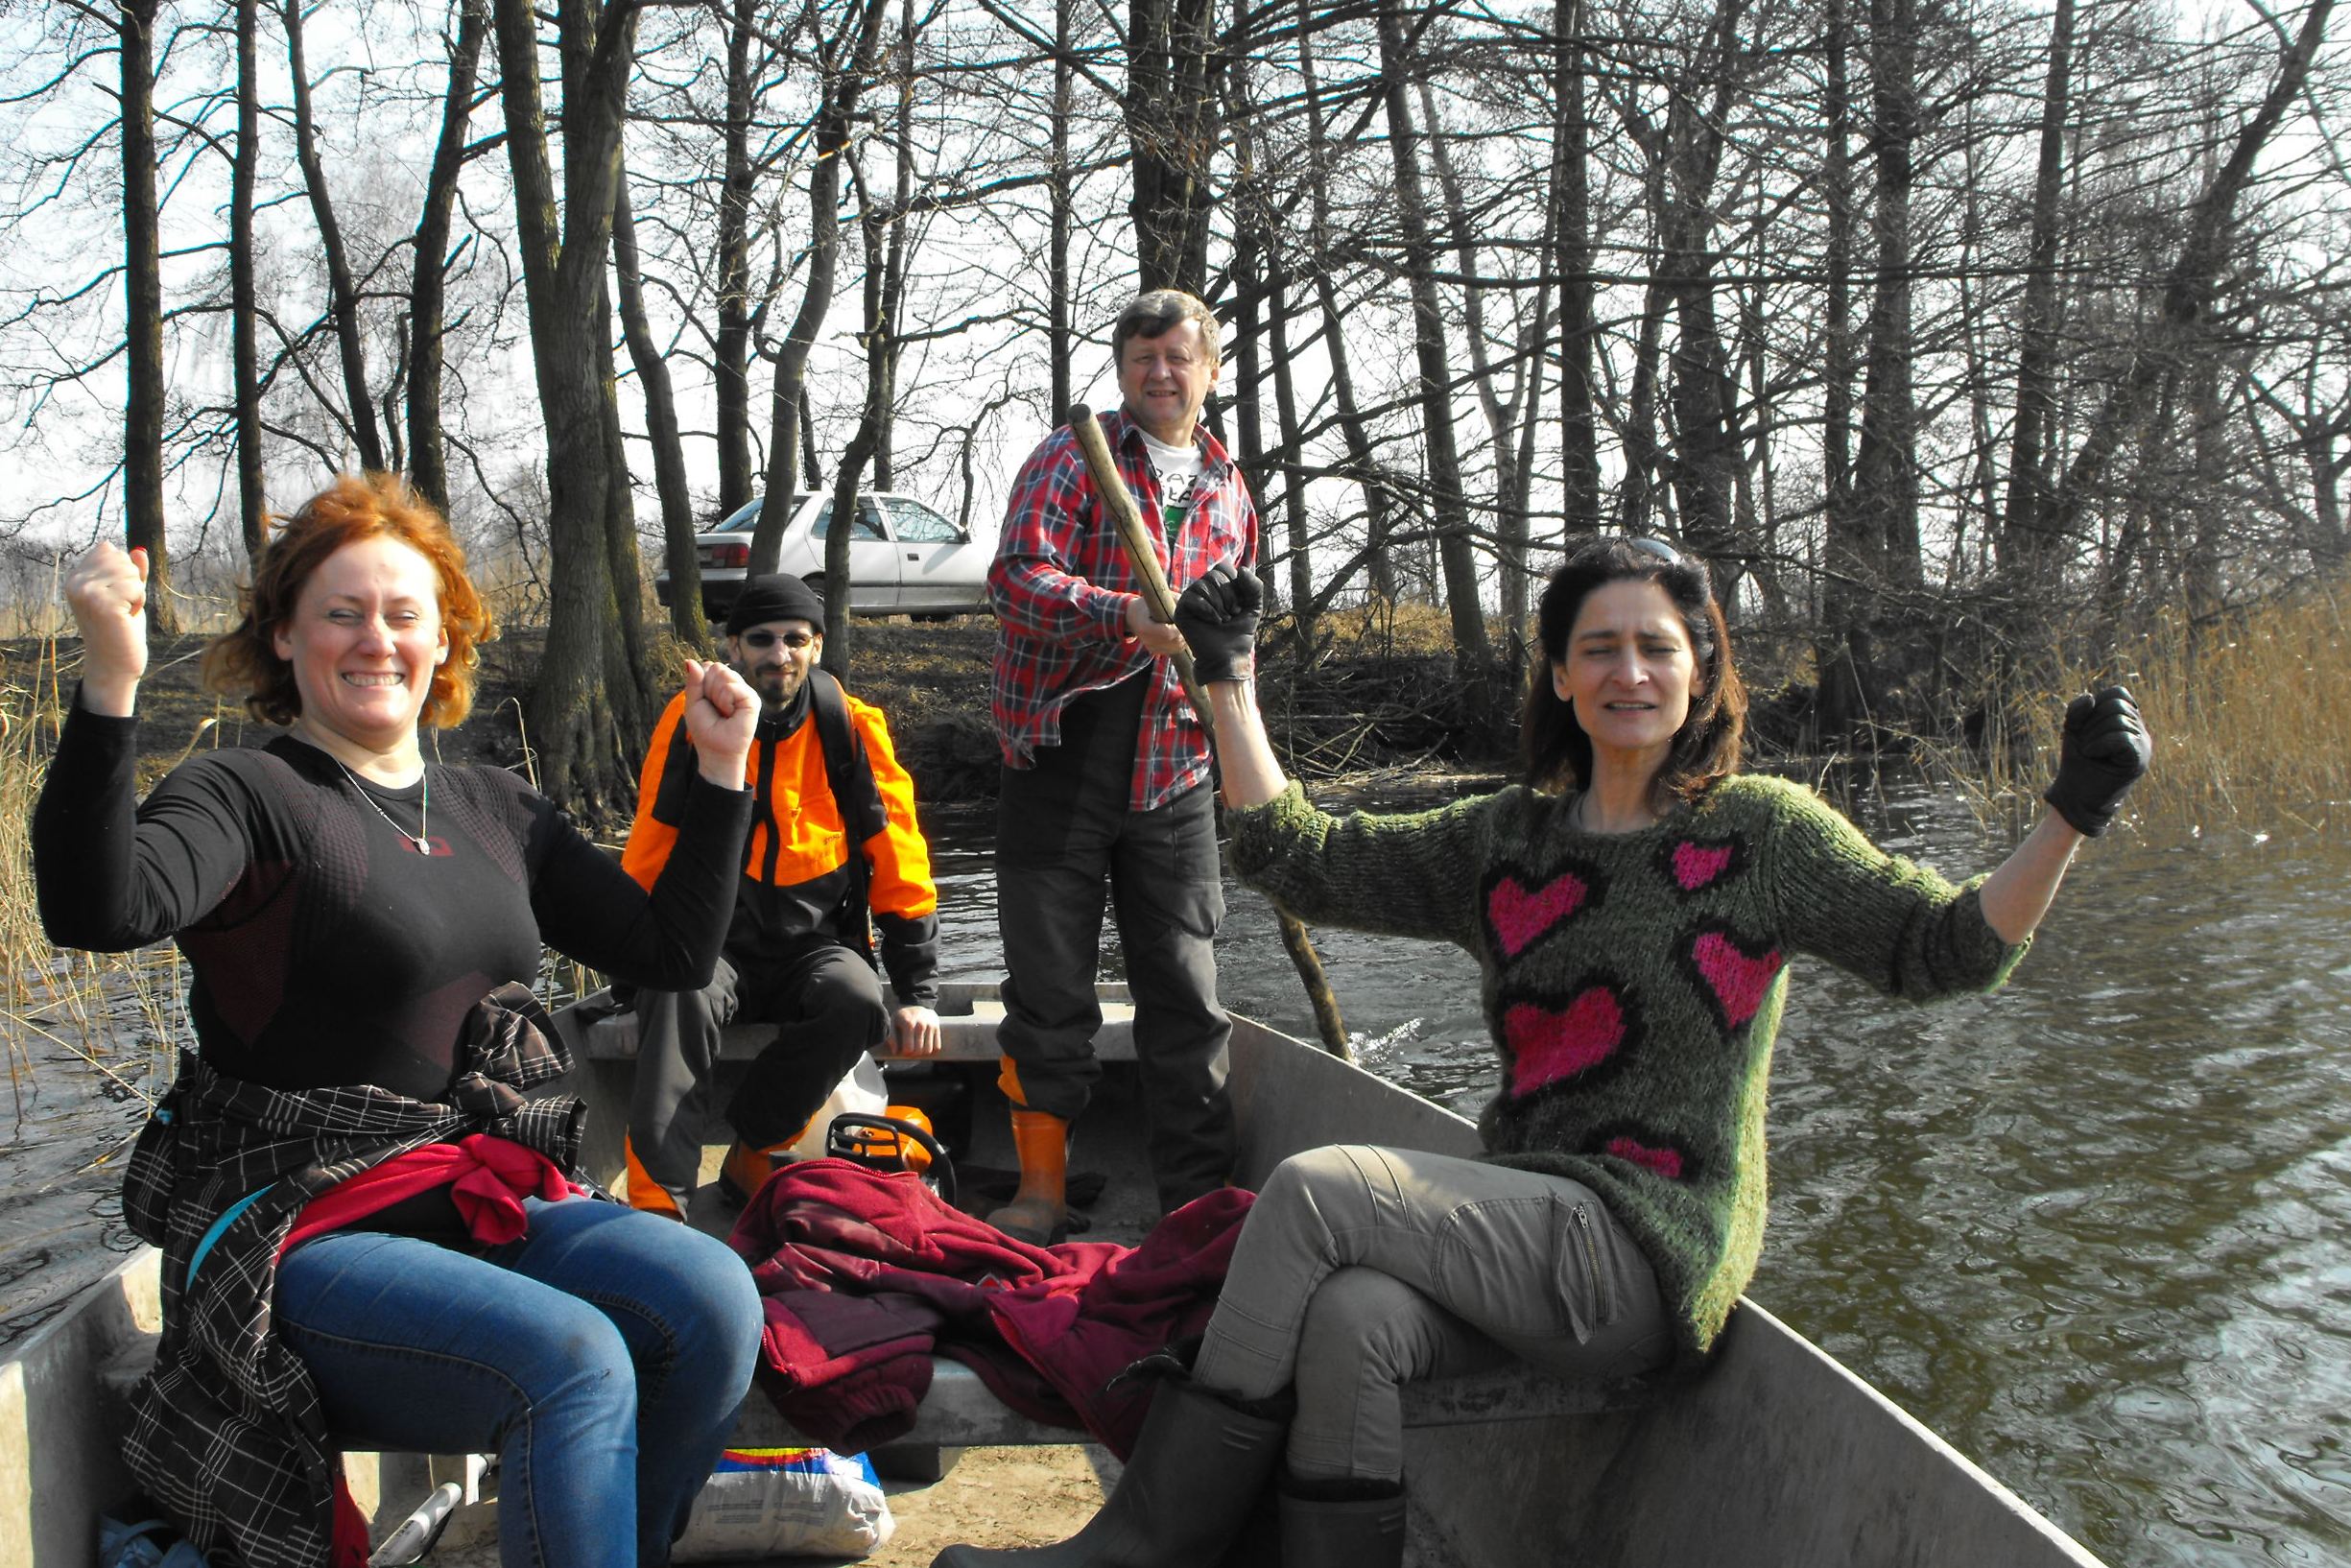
1665, 1163
1548, 1044
1519, 916
1695, 865
1739, 978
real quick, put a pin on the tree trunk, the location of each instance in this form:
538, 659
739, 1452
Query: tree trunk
1295, 532
1251, 240
660, 431
428, 463
895, 259
1472, 656
245, 353
1643, 452
2025, 545
1063, 334
342, 292
1171, 96
838, 644
1702, 395
1842, 651
1885, 469
1509, 504
143, 317
1362, 460
731, 348
1571, 184
846, 72
587, 710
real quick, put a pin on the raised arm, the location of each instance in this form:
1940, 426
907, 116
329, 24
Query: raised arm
1219, 614
2102, 753
666, 936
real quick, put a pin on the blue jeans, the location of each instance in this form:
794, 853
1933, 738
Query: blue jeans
601, 1357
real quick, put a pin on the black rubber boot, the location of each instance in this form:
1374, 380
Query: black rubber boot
1197, 1467
1359, 1532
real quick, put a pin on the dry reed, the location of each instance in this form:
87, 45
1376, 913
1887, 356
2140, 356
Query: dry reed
2250, 715
66, 1003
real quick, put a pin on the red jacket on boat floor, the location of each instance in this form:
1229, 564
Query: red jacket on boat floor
866, 1274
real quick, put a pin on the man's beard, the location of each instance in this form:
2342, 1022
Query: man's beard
778, 688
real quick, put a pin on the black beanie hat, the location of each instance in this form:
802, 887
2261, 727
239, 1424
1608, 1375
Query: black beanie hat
777, 596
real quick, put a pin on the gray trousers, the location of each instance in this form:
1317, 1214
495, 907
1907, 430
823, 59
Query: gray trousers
827, 1001
1360, 1268
1064, 836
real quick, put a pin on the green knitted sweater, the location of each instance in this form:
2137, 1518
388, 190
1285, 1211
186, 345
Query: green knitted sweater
1633, 982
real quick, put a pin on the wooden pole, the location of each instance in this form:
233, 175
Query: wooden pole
1141, 556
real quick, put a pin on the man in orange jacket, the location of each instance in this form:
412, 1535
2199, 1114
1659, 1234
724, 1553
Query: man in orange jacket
834, 856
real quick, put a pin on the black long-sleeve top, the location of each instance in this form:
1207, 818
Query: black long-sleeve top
324, 948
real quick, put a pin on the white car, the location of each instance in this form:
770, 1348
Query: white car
904, 559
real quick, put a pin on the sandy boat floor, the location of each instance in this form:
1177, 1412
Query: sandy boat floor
994, 1497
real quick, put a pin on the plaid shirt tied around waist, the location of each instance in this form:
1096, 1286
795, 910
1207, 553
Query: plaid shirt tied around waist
226, 1433
1060, 583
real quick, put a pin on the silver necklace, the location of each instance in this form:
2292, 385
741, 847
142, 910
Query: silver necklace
424, 807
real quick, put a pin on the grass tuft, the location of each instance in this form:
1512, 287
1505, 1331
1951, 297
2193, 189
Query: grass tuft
2250, 715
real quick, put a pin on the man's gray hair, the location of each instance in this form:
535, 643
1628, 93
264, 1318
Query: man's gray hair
1157, 312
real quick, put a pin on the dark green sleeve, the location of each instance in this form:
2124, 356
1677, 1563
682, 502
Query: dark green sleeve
1899, 926
1412, 875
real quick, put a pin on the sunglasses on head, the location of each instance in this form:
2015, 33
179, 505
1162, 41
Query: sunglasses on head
765, 640
1656, 547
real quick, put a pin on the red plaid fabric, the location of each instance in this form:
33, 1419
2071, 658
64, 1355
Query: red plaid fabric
1060, 584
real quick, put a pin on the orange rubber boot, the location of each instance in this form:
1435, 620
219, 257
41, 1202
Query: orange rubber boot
1039, 1211
642, 1191
746, 1170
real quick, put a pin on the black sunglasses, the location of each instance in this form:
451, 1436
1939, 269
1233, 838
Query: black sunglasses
765, 640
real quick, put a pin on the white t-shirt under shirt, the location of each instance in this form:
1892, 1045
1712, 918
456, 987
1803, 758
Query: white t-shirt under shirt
1178, 469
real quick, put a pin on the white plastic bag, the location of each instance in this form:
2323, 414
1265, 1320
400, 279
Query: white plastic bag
786, 1502
863, 1091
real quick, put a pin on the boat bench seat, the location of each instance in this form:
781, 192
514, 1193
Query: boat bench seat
596, 1028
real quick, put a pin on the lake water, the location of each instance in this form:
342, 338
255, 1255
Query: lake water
2096, 1230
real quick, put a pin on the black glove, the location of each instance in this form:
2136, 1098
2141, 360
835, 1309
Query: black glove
2104, 752
1217, 615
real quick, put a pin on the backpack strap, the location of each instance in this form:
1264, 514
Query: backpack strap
848, 772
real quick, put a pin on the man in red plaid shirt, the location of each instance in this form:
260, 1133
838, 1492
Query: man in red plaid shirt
1106, 773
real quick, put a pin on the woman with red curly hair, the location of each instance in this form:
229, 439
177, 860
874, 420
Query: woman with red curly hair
370, 1238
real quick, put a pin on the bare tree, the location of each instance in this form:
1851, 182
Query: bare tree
245, 352
588, 707
1472, 654
1171, 124
343, 287
428, 291
845, 65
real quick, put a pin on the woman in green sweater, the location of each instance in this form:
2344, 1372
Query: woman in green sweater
1631, 906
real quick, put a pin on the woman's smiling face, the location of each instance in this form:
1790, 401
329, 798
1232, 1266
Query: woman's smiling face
1629, 669
364, 641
